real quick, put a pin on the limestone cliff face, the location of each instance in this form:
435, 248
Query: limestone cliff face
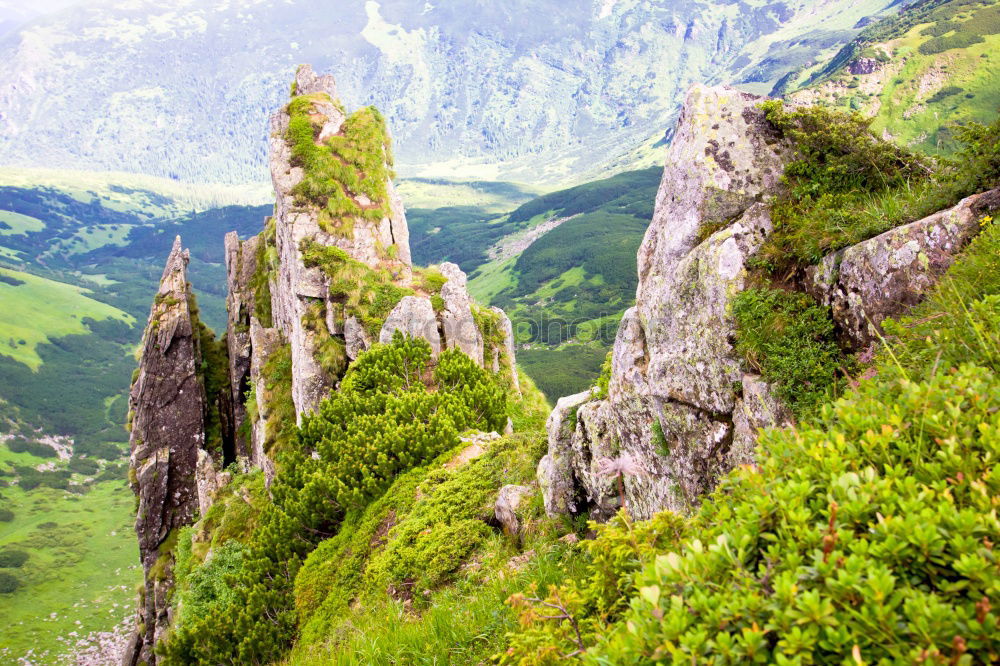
305, 297
673, 362
680, 405
297, 286
168, 404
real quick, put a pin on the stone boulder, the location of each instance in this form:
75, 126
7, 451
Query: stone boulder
505, 509
460, 329
887, 275
415, 317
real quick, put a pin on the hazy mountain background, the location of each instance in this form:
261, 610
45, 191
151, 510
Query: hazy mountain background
540, 91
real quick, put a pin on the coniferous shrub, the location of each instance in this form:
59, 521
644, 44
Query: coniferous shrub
392, 413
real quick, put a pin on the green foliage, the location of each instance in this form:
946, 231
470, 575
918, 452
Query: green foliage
277, 374
384, 420
260, 281
944, 93
846, 185
8, 583
206, 588
13, 558
790, 340
865, 533
390, 415
604, 379
213, 373
330, 352
564, 619
356, 161
366, 293
22, 445
564, 371
6, 515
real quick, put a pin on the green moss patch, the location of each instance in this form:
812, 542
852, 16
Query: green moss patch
356, 161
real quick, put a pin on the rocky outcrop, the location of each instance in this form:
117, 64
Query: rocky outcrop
887, 275
263, 343
297, 286
414, 316
208, 480
503, 355
863, 66
460, 329
673, 389
167, 402
509, 500
241, 263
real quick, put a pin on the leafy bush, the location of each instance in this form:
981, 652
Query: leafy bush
6, 516
944, 94
12, 558
8, 583
585, 608
85, 466
790, 340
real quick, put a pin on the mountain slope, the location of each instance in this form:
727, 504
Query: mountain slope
470, 89
918, 75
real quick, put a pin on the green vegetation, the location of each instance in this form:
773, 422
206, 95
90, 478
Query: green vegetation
368, 294
356, 161
928, 49
789, 339
81, 565
40, 310
563, 371
390, 415
280, 421
12, 223
845, 185
865, 532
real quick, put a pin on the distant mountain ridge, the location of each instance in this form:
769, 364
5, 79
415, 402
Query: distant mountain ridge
469, 88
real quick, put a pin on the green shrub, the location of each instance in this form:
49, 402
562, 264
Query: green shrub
389, 416
604, 380
8, 583
944, 93
37, 449
207, 588
789, 340
6, 516
563, 620
959, 40
85, 466
12, 558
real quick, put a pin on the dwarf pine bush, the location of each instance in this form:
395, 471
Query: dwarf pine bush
392, 413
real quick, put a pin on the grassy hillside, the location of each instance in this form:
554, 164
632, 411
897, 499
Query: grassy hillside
78, 268
564, 289
937, 65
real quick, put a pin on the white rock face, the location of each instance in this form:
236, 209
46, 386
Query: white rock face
671, 396
415, 317
460, 328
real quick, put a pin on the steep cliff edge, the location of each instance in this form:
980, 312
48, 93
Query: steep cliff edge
168, 405
328, 277
683, 405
